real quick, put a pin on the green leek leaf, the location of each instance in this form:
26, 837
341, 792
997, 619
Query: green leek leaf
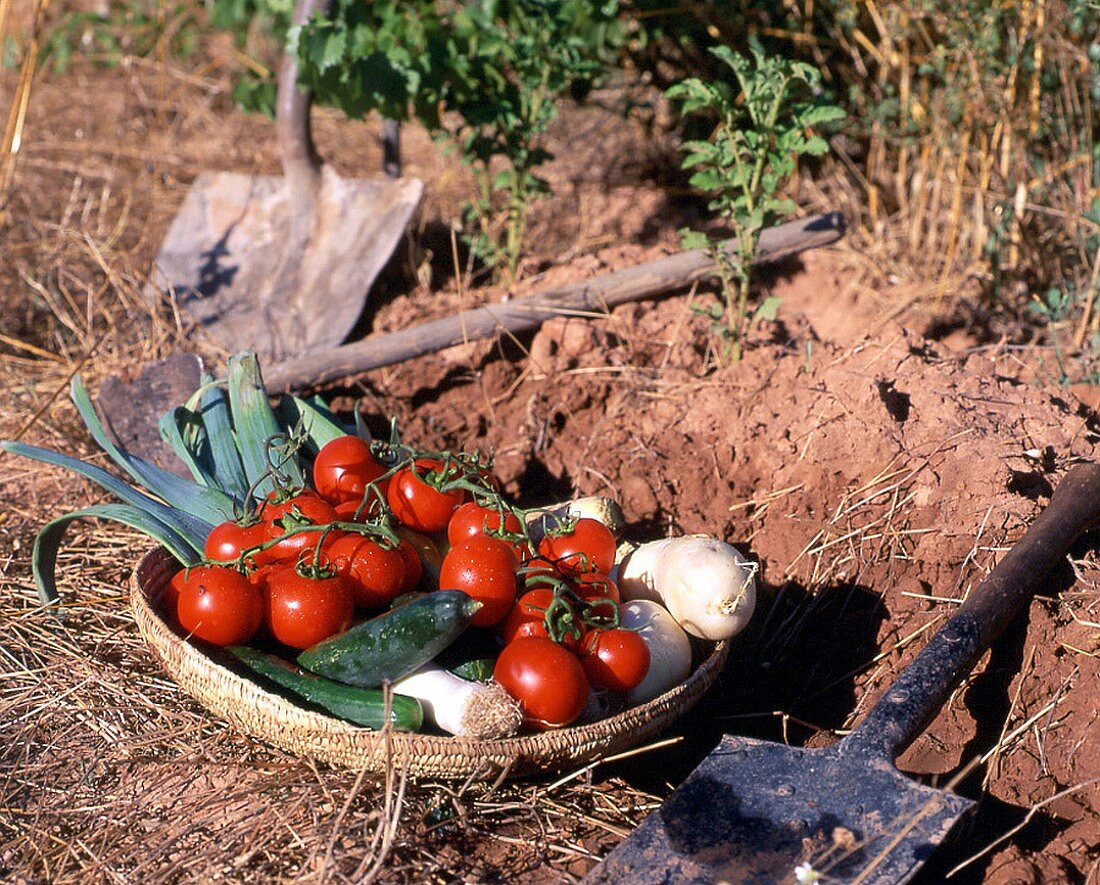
177, 428
210, 505
318, 424
361, 429
185, 522
48, 541
255, 424
227, 467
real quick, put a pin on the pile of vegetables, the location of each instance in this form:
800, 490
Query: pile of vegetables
332, 565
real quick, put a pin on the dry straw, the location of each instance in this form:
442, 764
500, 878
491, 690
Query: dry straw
272, 718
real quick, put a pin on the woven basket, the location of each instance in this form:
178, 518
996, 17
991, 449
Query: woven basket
274, 719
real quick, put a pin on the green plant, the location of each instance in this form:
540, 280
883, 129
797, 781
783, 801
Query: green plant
510, 62
126, 29
765, 123
482, 76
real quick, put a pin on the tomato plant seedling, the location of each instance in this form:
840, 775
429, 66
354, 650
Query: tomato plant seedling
765, 122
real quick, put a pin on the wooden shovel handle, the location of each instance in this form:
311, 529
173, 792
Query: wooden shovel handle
915, 697
301, 162
529, 312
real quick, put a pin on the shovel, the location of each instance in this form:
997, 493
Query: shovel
282, 265
754, 811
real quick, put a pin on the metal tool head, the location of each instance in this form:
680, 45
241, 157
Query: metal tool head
131, 402
230, 261
755, 811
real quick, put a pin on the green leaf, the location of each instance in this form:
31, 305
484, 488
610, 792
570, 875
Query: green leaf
191, 527
824, 113
706, 180
172, 425
768, 309
316, 422
693, 239
361, 429
47, 542
210, 505
815, 146
504, 179
333, 50
256, 426
216, 419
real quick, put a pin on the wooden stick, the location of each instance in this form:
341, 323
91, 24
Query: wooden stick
520, 314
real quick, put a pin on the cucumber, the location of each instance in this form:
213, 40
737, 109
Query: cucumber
361, 706
472, 656
395, 643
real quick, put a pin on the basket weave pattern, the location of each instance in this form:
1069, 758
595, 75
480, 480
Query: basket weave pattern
262, 714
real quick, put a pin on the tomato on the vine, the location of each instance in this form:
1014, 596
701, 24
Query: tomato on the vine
376, 573
616, 660
528, 618
588, 546
473, 518
301, 610
484, 568
344, 468
258, 576
546, 679
227, 540
291, 514
305, 506
217, 604
414, 568
595, 586
418, 505
346, 510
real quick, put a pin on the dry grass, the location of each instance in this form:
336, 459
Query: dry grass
971, 173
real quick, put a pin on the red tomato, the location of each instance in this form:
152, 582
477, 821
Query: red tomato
344, 468
473, 519
539, 572
417, 504
546, 679
258, 576
347, 510
617, 660
528, 618
528, 615
228, 539
301, 611
588, 547
218, 604
376, 573
483, 568
304, 509
414, 568
595, 585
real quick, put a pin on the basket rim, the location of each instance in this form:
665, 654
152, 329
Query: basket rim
274, 719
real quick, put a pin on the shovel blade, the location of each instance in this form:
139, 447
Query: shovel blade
230, 262
754, 811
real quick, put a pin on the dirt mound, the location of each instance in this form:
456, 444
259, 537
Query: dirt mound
876, 485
